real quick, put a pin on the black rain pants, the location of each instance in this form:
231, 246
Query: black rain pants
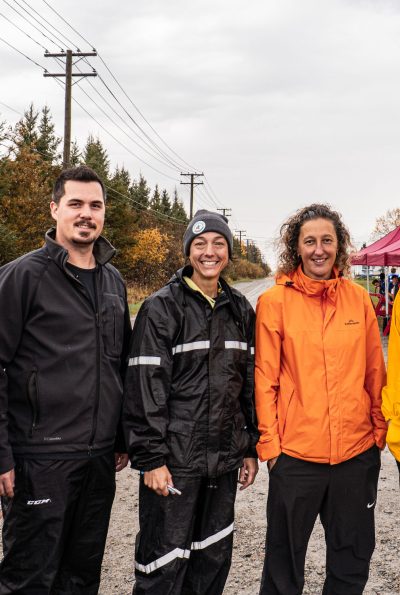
344, 496
55, 527
184, 546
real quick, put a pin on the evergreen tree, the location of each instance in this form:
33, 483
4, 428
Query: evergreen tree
75, 157
121, 220
47, 142
178, 210
165, 206
140, 192
25, 131
155, 203
95, 156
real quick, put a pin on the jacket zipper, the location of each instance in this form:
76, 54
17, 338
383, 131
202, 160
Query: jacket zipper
33, 399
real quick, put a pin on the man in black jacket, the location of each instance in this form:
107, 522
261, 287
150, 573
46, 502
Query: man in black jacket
189, 418
63, 336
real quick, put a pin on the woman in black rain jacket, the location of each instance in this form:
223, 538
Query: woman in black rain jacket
189, 418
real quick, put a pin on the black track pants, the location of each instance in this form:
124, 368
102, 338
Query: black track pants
56, 525
344, 496
184, 546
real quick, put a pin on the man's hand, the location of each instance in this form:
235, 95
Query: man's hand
248, 472
7, 481
271, 463
121, 460
158, 479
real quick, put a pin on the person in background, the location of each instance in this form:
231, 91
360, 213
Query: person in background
382, 287
64, 336
189, 418
376, 284
319, 376
395, 287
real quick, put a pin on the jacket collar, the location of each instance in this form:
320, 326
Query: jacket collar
103, 251
312, 287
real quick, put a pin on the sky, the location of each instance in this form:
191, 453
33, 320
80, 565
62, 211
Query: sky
280, 103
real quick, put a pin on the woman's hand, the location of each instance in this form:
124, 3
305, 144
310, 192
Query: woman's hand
158, 480
248, 472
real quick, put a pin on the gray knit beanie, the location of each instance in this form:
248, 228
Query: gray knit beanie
205, 221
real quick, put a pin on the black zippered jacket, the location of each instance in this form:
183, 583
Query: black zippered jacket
189, 386
61, 362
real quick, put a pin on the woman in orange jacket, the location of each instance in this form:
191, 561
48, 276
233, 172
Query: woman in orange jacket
319, 376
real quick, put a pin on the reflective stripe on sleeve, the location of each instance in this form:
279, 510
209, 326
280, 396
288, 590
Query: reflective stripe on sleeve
236, 345
251, 350
181, 553
145, 360
191, 346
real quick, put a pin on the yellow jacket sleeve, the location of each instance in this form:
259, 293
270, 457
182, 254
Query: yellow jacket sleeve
391, 392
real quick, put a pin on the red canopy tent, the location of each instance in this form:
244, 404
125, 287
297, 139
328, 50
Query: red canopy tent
383, 252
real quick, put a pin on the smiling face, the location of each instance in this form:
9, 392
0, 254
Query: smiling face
79, 214
208, 256
318, 247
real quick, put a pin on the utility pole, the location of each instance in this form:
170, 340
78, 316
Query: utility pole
249, 243
225, 212
241, 233
192, 185
68, 74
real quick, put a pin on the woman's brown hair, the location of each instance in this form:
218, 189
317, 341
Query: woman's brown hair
289, 258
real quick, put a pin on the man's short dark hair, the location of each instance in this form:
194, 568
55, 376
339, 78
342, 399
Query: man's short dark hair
82, 173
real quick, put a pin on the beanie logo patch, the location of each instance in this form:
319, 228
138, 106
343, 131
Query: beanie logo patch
198, 227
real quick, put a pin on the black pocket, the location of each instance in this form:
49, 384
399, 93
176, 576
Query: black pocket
112, 317
33, 398
180, 442
240, 437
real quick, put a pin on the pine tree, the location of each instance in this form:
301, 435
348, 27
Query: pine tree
95, 156
155, 203
25, 131
75, 157
165, 206
140, 192
178, 210
47, 142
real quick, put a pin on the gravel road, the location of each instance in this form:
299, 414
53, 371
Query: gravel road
244, 578
248, 553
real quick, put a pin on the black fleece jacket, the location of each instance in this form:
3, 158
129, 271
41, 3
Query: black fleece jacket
61, 359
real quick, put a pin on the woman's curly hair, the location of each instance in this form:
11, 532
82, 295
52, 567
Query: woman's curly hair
289, 259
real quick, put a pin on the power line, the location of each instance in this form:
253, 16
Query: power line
46, 21
22, 31
67, 23
22, 54
29, 23
122, 129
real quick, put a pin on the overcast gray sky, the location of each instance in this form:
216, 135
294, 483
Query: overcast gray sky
279, 102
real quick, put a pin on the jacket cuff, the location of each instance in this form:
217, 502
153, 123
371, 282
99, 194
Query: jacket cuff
380, 437
269, 450
154, 464
251, 453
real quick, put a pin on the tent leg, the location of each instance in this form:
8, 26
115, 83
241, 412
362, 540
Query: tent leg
367, 278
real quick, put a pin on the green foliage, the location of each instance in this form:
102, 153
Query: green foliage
147, 232
95, 156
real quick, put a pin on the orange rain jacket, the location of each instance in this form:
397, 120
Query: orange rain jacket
391, 392
319, 370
